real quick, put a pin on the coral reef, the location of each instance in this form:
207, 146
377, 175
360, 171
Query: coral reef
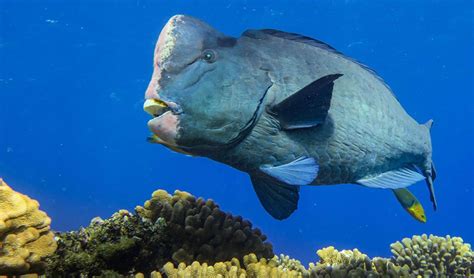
169, 228
434, 256
427, 261
182, 236
201, 231
25, 237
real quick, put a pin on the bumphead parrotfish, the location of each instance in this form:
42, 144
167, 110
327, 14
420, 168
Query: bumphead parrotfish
287, 109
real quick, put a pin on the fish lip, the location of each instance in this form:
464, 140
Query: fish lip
165, 127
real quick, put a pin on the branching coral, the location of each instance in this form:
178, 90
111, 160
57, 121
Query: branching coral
25, 237
433, 256
201, 231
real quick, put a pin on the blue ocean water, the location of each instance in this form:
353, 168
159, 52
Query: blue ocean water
72, 128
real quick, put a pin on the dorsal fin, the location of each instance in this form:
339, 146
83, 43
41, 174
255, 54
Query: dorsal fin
299, 38
313, 42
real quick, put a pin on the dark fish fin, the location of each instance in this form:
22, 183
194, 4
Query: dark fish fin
398, 178
429, 183
308, 107
301, 171
260, 34
279, 200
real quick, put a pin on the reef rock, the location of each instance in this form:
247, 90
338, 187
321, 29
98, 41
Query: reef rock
122, 244
25, 236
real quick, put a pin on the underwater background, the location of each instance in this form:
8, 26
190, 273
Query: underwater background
73, 132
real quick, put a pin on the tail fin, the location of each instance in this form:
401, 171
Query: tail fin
430, 172
429, 182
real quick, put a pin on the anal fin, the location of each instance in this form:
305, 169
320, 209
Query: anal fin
399, 178
279, 200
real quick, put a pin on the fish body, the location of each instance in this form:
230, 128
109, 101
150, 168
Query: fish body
366, 132
410, 203
287, 109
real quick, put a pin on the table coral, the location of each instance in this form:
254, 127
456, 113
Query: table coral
201, 231
433, 256
25, 237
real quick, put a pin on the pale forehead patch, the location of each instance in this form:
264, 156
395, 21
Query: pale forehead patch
167, 41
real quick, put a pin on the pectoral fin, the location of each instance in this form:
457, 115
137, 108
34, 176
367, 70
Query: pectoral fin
301, 171
410, 203
308, 107
279, 200
399, 178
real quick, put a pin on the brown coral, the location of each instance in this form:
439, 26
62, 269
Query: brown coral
25, 237
201, 231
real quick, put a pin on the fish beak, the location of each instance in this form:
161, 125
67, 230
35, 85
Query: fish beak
155, 107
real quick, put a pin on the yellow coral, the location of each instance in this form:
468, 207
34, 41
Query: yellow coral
332, 256
252, 268
434, 256
25, 237
334, 263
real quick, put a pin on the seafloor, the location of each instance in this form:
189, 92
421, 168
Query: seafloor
180, 235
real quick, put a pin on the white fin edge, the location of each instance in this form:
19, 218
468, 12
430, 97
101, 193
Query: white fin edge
301, 171
395, 179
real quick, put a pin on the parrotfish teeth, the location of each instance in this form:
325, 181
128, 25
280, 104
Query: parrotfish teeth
155, 107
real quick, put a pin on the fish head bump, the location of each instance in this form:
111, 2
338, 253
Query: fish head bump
206, 88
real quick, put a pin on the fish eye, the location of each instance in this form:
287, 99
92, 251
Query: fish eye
209, 56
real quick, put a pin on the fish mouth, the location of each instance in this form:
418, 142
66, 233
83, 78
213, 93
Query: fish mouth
164, 124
